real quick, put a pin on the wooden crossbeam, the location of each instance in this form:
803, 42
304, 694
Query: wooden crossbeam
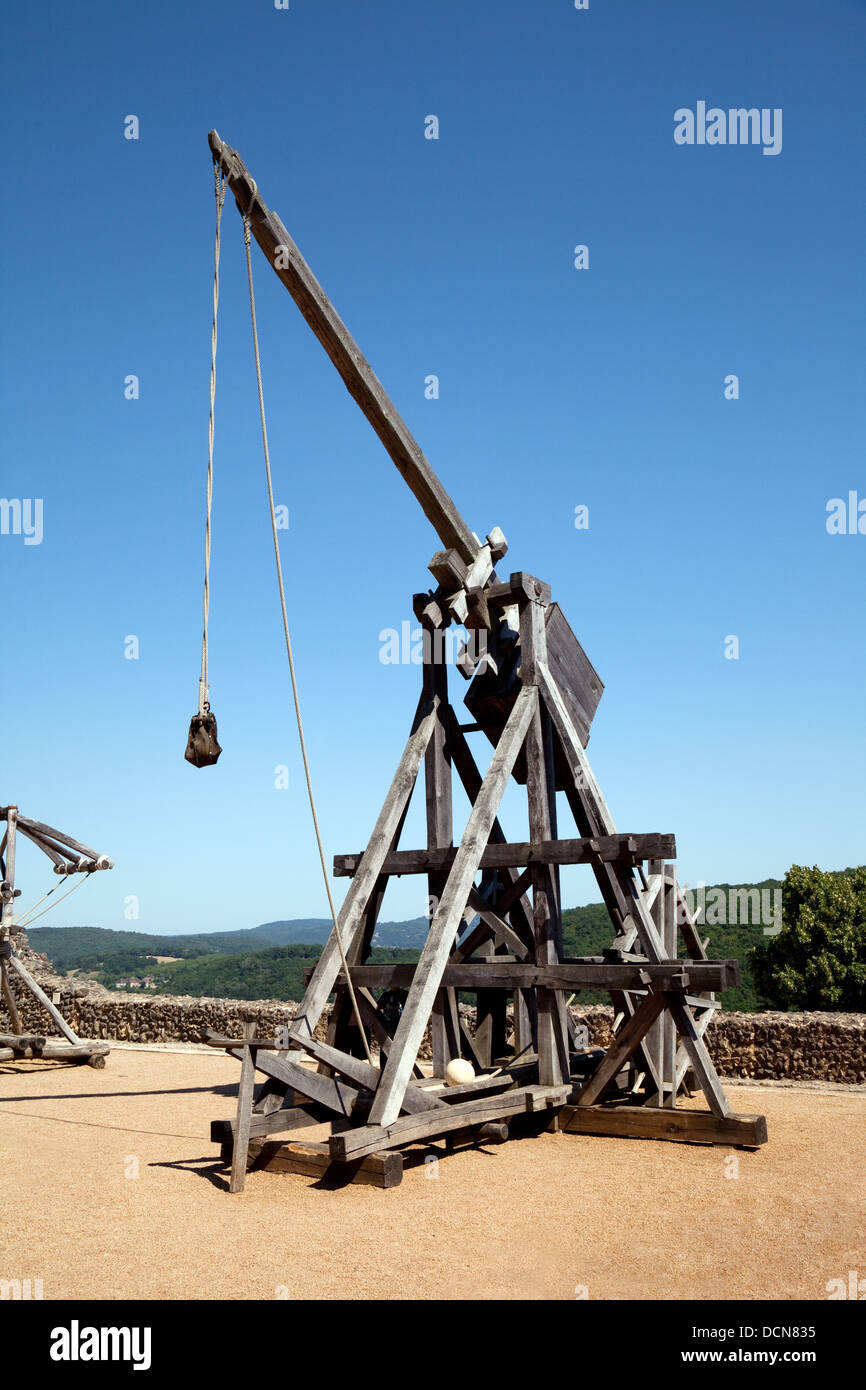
244, 1118
495, 973
604, 849
408, 1129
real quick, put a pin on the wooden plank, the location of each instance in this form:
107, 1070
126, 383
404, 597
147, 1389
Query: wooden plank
281, 1121
451, 1095
312, 1160
246, 1087
363, 1073
351, 915
358, 376
440, 940
336, 1095
585, 850
564, 975
622, 1048
58, 1051
408, 1129
648, 1122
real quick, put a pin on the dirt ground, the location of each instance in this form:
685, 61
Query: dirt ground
117, 1192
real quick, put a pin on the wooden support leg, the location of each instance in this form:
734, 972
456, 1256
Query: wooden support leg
246, 1087
653, 1042
46, 1003
444, 1019
669, 1027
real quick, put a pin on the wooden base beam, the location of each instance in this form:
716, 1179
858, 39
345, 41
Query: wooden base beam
312, 1160
649, 1122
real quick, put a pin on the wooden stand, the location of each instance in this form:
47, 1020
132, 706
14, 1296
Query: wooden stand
68, 857
496, 931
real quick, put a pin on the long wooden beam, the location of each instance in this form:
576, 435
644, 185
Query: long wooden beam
650, 1122
371, 1138
589, 849
358, 376
496, 973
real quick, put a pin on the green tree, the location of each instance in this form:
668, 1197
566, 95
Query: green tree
818, 960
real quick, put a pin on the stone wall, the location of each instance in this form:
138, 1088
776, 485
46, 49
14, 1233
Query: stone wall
771, 1046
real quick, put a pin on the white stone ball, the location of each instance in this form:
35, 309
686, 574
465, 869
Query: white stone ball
459, 1072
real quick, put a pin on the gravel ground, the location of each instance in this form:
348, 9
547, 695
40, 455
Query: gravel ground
115, 1191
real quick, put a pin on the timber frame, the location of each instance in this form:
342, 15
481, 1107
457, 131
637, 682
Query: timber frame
68, 857
496, 930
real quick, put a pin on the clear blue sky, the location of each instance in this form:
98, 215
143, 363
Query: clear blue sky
559, 387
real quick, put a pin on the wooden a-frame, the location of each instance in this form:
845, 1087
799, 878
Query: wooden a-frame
514, 953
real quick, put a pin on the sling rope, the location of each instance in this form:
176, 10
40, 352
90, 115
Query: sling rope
219, 183
295, 696
28, 918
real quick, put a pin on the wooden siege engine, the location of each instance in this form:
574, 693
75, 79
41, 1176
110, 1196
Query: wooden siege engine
496, 931
68, 858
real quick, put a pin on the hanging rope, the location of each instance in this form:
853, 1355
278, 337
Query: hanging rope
219, 198
202, 748
298, 718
